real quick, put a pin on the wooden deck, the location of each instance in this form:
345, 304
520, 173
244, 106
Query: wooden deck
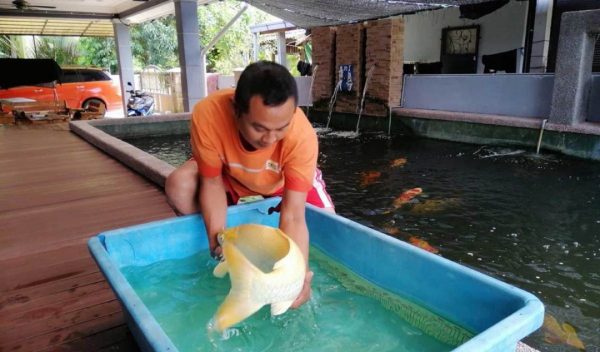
56, 191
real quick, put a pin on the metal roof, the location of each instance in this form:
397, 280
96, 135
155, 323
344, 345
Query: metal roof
55, 27
314, 13
94, 17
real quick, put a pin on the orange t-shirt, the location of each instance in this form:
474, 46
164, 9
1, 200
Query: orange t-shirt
218, 150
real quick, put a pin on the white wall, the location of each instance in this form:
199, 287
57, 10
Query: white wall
501, 30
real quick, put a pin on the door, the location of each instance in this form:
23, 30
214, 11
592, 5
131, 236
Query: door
460, 47
71, 88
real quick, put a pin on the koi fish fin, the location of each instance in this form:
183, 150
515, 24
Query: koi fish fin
221, 269
278, 308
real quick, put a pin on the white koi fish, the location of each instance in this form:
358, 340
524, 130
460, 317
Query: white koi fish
265, 266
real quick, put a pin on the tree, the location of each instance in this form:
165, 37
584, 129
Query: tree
99, 52
235, 47
11, 46
155, 43
62, 49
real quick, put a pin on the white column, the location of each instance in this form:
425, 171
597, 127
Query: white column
541, 36
256, 47
124, 59
190, 58
281, 57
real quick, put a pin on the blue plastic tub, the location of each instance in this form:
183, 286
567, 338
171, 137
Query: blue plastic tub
499, 314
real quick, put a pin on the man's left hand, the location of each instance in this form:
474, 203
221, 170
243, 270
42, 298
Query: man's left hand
306, 291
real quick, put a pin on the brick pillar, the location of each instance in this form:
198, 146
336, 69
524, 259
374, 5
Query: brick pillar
323, 40
348, 52
384, 50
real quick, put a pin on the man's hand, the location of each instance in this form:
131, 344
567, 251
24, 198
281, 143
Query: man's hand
306, 291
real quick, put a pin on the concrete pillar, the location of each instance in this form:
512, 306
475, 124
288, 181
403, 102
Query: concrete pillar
190, 58
256, 47
124, 59
541, 36
573, 75
281, 56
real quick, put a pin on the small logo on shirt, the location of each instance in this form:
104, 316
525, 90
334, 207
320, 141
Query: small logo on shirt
272, 166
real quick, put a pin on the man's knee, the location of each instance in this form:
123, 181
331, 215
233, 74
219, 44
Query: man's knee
181, 188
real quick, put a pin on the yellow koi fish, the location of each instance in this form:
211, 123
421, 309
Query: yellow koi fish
434, 205
556, 333
398, 162
265, 266
394, 231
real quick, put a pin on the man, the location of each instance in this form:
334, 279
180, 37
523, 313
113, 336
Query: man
254, 141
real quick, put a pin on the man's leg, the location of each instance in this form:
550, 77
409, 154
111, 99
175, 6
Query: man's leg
181, 188
318, 194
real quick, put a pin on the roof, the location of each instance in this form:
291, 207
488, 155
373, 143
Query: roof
313, 13
95, 17
56, 26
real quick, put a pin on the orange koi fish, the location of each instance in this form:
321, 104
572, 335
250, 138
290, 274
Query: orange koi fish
369, 177
407, 196
421, 243
398, 162
556, 333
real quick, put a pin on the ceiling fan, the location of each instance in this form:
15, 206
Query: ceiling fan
24, 5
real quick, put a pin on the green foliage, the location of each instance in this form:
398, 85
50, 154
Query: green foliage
98, 52
234, 49
11, 46
155, 43
64, 50
292, 60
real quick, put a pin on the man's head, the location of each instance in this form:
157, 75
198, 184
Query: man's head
265, 101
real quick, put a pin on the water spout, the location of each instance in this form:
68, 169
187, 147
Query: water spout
390, 120
362, 100
539, 143
310, 90
332, 101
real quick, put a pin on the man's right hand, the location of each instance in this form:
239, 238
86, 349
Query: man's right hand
217, 254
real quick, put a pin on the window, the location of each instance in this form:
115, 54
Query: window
94, 75
70, 76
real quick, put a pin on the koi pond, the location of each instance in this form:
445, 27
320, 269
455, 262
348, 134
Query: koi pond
530, 220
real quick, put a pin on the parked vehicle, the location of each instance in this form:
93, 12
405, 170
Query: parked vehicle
139, 103
79, 87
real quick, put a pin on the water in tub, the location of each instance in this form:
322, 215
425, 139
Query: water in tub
344, 313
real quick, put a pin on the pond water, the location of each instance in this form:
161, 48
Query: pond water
530, 220
183, 295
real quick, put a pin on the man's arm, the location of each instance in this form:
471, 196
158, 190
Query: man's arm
293, 223
213, 206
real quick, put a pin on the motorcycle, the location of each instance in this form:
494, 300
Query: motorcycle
140, 103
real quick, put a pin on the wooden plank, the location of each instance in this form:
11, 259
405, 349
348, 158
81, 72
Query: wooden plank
55, 192
118, 338
57, 322
45, 268
56, 304
66, 335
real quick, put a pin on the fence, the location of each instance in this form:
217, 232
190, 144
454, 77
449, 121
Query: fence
165, 87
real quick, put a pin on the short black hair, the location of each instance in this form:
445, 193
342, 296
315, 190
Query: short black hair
272, 81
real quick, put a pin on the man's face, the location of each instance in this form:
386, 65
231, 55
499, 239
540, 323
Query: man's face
264, 125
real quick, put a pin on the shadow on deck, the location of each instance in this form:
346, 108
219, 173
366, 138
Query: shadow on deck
56, 191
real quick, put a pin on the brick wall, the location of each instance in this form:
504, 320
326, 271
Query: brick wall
377, 44
384, 52
348, 52
323, 40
